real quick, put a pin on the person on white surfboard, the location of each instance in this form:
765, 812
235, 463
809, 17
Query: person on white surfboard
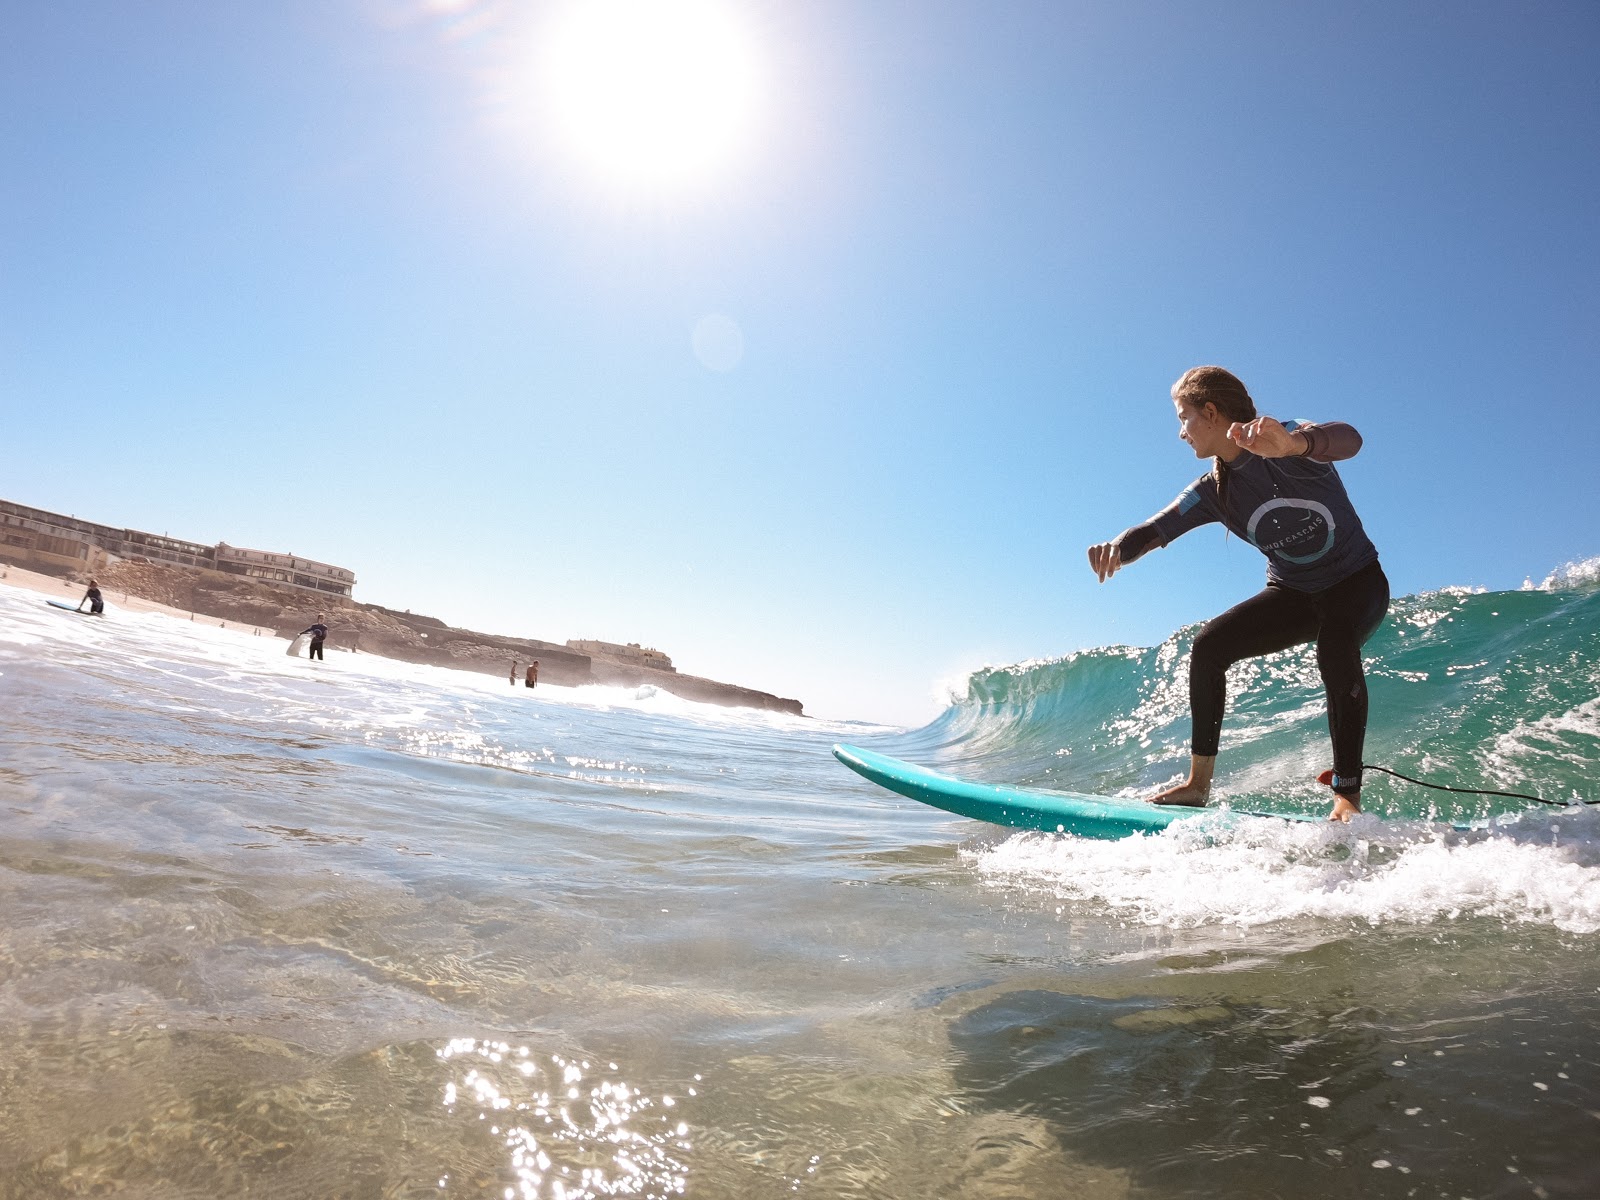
1274, 484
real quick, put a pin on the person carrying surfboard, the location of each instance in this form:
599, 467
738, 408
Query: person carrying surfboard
1274, 484
96, 602
318, 632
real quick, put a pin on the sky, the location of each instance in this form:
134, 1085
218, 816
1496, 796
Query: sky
811, 343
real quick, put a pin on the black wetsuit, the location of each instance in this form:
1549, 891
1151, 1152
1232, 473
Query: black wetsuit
97, 605
1324, 583
318, 632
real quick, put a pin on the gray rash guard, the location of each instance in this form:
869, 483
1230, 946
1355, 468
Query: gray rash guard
1294, 510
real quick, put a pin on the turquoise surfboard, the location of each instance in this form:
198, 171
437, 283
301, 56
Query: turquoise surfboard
1025, 808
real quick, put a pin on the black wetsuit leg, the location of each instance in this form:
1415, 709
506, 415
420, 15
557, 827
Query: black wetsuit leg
1351, 611
1273, 619
1339, 620
316, 650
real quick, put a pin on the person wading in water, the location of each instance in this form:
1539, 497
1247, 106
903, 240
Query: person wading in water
319, 634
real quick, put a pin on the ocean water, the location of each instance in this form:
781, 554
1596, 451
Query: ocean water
362, 929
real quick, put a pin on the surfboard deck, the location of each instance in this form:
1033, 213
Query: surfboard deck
70, 608
1076, 813
297, 645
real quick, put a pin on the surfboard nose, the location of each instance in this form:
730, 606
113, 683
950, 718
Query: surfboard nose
846, 754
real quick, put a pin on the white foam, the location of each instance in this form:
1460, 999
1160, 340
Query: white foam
1570, 737
1568, 577
1541, 868
364, 687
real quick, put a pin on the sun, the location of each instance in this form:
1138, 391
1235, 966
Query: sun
651, 93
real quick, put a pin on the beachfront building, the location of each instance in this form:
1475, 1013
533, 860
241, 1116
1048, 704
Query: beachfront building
288, 569
50, 539
34, 536
634, 653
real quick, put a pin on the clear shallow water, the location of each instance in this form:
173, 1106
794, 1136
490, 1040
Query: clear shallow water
285, 929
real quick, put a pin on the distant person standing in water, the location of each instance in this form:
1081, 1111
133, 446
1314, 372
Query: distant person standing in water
1274, 485
533, 674
319, 633
513, 672
97, 604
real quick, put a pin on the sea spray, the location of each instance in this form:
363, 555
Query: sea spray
1539, 868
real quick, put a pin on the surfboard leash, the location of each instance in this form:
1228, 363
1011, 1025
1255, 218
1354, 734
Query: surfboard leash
1468, 791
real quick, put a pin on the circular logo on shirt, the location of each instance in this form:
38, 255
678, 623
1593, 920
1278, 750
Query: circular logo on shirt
1297, 531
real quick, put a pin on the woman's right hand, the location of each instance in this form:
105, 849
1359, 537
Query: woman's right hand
1104, 560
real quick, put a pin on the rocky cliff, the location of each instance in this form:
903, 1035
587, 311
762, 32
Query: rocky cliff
374, 629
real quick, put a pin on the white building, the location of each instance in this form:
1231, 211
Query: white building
52, 540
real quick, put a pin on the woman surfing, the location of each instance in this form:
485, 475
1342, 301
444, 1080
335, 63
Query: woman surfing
1274, 484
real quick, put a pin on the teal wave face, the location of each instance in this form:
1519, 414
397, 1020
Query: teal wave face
1492, 690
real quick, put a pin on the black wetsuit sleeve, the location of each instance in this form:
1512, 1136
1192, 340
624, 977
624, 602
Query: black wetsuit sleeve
1195, 506
1333, 441
1134, 543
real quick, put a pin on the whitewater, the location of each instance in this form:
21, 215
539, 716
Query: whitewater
362, 928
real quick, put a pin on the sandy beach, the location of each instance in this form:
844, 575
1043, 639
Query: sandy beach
54, 588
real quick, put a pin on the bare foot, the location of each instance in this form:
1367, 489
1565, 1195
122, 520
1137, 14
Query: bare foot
1187, 794
1344, 807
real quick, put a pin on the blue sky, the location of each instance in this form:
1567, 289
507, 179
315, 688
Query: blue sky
319, 277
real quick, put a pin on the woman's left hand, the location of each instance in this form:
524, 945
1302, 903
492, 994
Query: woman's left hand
1267, 438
